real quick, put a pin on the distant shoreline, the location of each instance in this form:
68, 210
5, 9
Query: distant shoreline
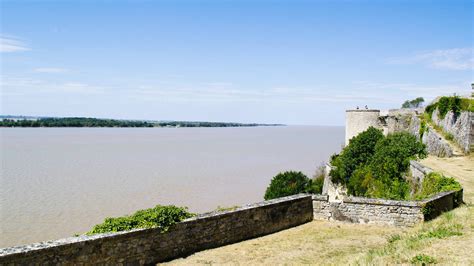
85, 122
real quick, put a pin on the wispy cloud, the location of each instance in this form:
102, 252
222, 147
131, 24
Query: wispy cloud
450, 59
29, 86
10, 44
50, 70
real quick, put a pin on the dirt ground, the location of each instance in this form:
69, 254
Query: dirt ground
322, 242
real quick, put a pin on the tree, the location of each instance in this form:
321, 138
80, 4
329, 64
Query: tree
286, 184
359, 151
415, 103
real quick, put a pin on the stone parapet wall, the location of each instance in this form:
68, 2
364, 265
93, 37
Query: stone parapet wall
418, 171
460, 126
148, 246
435, 143
386, 212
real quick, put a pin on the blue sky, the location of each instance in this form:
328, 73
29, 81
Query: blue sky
293, 62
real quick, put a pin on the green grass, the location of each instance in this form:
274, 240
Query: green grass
399, 247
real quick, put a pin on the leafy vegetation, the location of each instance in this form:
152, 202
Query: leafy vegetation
455, 104
423, 259
160, 216
415, 103
291, 182
360, 150
374, 166
434, 183
286, 184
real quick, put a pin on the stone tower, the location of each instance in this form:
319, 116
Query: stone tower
360, 120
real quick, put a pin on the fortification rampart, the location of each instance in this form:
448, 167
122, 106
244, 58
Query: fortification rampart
147, 246
385, 212
460, 126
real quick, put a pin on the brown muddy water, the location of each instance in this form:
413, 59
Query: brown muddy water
55, 182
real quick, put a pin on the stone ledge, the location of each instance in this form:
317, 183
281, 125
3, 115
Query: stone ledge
319, 197
363, 110
361, 200
84, 240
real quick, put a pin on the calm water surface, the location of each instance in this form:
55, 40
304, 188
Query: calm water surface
59, 181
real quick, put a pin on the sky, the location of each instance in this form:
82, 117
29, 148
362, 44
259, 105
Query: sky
291, 62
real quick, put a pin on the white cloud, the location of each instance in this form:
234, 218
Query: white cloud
9, 44
50, 70
451, 59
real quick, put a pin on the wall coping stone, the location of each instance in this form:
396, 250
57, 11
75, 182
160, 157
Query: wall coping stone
320, 197
375, 201
85, 238
439, 195
421, 167
363, 110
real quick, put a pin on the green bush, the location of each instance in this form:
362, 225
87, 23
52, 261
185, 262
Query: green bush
286, 184
445, 104
359, 151
434, 183
160, 216
374, 166
422, 259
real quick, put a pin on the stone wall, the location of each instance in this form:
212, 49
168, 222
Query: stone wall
435, 143
385, 212
418, 171
460, 126
147, 246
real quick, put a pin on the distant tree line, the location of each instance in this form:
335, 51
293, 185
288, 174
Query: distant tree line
207, 124
73, 122
96, 122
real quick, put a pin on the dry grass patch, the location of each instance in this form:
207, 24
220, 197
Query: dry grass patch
312, 243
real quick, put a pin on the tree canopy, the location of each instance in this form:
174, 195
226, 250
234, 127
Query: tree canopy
374, 166
415, 103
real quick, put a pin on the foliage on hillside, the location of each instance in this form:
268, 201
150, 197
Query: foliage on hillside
455, 104
374, 166
160, 216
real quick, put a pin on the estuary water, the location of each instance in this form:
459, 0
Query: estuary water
55, 182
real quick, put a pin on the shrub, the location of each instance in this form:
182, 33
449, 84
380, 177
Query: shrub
315, 185
430, 109
422, 259
446, 104
159, 216
359, 151
374, 166
434, 183
286, 184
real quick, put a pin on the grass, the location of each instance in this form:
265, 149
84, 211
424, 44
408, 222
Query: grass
407, 247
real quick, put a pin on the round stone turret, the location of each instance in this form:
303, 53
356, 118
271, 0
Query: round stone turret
359, 120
